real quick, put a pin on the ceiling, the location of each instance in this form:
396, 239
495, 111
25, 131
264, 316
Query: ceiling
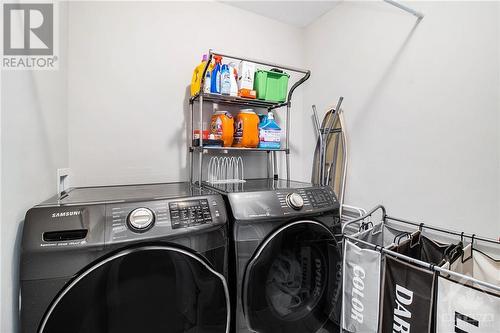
296, 13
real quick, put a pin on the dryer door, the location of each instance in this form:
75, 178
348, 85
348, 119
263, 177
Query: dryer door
143, 289
293, 281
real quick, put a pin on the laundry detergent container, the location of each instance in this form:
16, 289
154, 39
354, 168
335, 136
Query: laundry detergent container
271, 85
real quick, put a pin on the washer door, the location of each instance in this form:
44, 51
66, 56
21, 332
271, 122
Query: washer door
292, 283
144, 289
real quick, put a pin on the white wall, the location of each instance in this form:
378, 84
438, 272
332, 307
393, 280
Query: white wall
421, 100
421, 105
130, 66
33, 145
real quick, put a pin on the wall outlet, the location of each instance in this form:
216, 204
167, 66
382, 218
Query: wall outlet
63, 179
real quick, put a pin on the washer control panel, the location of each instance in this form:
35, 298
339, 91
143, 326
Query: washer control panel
141, 219
189, 213
163, 217
295, 201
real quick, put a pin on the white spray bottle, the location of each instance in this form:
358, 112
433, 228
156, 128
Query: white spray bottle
234, 79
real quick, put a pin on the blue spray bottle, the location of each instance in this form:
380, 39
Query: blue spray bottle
215, 78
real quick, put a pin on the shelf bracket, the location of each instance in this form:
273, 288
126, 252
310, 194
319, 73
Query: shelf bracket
412, 11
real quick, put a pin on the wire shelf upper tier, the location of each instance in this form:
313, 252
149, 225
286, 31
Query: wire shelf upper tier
225, 99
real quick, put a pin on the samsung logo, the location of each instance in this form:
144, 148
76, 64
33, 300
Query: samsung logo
66, 214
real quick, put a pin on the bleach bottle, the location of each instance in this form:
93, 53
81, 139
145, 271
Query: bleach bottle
215, 77
225, 80
269, 133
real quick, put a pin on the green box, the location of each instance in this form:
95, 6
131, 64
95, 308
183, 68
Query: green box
271, 86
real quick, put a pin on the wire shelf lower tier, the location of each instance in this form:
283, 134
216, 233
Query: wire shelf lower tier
235, 149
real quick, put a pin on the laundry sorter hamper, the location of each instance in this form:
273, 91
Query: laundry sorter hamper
396, 279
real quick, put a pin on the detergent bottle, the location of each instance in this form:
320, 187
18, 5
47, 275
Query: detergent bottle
207, 83
222, 127
246, 129
234, 79
262, 119
225, 80
197, 73
269, 133
215, 76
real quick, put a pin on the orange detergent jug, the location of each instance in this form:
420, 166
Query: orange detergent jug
246, 129
222, 127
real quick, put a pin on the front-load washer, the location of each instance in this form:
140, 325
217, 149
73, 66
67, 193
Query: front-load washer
286, 254
115, 259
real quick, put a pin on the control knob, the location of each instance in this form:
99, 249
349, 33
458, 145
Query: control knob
295, 201
141, 219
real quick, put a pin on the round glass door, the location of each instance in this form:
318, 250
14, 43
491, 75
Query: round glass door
146, 289
293, 282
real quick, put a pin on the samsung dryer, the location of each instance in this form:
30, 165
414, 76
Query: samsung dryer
287, 263
115, 259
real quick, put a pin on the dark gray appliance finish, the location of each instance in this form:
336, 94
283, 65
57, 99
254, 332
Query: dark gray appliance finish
124, 193
286, 263
81, 257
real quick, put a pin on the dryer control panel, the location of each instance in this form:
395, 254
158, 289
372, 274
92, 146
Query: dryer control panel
320, 197
282, 203
309, 199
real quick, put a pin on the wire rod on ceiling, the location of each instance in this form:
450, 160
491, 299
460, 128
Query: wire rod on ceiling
406, 8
